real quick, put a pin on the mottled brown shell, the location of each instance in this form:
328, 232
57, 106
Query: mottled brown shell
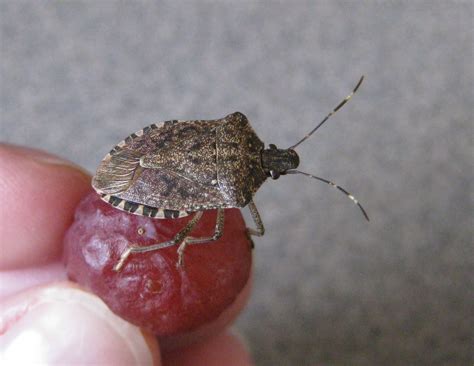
178, 167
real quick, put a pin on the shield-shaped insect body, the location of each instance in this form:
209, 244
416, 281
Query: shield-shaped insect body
178, 168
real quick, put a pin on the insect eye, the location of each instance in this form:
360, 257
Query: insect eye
274, 174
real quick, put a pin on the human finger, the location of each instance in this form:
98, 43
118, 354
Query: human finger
225, 348
39, 193
61, 324
15, 280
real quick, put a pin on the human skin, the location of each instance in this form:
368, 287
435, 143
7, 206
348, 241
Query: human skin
46, 319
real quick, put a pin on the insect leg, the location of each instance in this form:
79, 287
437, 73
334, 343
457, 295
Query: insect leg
260, 230
218, 231
179, 237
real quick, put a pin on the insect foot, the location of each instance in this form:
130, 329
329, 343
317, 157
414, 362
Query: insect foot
123, 258
149, 290
249, 236
180, 251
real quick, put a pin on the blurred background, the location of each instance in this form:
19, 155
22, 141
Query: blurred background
330, 288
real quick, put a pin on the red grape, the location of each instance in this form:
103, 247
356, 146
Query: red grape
150, 290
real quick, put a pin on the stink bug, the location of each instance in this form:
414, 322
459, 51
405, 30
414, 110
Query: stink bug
178, 168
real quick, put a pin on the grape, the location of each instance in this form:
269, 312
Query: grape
150, 290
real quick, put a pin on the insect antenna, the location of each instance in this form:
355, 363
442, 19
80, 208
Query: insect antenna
294, 171
344, 101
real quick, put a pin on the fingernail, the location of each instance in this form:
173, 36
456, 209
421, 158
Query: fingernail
54, 160
41, 157
64, 325
14, 281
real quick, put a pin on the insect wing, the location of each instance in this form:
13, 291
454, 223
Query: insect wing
169, 166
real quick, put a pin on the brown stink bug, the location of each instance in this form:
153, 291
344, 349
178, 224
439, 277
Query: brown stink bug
178, 168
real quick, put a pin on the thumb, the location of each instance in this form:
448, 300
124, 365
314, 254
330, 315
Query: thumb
61, 324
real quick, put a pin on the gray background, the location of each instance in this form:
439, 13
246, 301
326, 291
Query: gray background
77, 77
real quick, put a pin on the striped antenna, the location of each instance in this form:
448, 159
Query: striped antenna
294, 171
346, 99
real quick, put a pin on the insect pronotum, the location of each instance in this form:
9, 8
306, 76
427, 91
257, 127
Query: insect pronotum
178, 168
